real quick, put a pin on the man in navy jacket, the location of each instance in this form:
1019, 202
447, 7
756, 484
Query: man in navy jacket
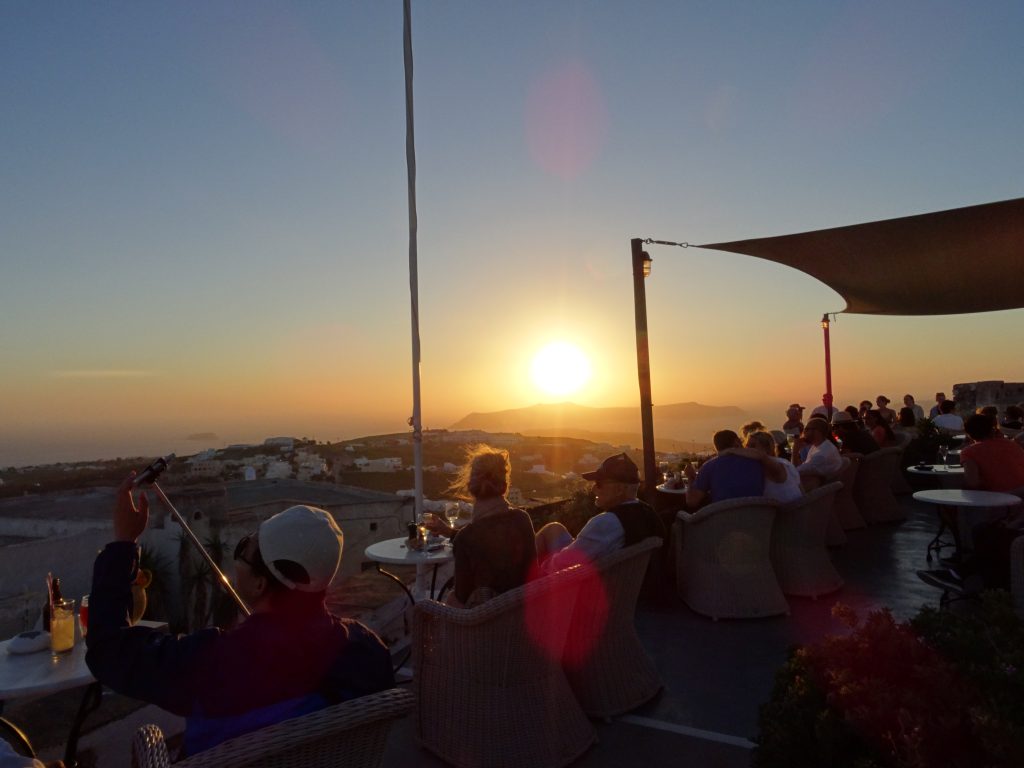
289, 658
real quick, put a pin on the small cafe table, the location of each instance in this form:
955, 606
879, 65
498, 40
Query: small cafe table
398, 552
955, 500
32, 675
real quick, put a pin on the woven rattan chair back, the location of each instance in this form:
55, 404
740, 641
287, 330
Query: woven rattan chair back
723, 565
604, 660
799, 554
352, 733
846, 510
873, 487
485, 677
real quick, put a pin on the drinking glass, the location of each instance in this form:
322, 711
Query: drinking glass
451, 511
83, 615
62, 626
943, 454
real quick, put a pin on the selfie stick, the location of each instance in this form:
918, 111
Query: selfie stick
148, 476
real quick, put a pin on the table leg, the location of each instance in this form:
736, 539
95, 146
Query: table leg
947, 521
16, 737
90, 702
398, 581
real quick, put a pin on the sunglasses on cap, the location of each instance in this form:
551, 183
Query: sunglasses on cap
256, 564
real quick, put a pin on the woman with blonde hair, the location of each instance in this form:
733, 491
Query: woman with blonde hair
496, 551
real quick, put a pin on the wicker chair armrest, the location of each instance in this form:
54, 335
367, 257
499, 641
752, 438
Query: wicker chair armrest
565, 578
810, 498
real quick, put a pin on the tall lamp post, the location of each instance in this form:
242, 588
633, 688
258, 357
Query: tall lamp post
828, 360
641, 269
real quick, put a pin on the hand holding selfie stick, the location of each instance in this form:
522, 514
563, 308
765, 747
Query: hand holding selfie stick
148, 476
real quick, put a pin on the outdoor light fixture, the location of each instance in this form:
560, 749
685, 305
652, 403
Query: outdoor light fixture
647, 263
824, 318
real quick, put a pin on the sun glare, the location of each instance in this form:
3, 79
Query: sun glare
560, 368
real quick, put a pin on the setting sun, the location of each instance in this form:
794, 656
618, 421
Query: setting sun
560, 368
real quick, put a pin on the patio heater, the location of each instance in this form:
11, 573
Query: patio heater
641, 270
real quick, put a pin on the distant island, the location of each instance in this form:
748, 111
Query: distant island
677, 427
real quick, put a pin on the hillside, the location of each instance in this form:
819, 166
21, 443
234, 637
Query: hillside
677, 426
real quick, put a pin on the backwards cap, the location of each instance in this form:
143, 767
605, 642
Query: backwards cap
302, 547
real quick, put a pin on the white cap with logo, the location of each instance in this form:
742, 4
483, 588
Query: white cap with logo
302, 547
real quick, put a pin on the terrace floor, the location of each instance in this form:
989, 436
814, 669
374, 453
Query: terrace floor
717, 674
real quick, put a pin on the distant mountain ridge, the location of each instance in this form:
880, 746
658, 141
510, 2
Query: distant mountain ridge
679, 422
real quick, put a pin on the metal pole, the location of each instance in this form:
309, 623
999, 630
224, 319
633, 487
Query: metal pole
416, 422
828, 362
643, 367
206, 555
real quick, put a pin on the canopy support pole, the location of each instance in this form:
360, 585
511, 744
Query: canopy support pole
641, 262
416, 421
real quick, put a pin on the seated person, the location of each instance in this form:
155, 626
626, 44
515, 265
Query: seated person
794, 424
853, 437
854, 415
781, 480
289, 658
726, 476
907, 420
624, 520
826, 410
1013, 417
880, 430
755, 426
991, 462
947, 419
887, 413
917, 410
865, 406
496, 551
823, 461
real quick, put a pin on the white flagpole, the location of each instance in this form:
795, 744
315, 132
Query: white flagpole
410, 161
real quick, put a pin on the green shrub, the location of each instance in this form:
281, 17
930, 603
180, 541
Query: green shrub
941, 690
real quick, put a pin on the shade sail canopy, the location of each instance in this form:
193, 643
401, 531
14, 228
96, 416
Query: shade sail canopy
945, 263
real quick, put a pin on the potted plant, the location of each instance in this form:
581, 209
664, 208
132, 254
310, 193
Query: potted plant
940, 690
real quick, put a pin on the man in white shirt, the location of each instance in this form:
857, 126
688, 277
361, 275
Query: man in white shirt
823, 461
624, 520
825, 410
948, 420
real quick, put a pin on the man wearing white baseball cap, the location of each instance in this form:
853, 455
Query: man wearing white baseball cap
289, 658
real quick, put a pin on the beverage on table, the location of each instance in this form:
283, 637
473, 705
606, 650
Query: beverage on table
62, 626
83, 615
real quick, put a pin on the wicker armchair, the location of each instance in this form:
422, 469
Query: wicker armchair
1017, 574
873, 487
899, 485
352, 733
723, 567
604, 660
846, 511
799, 556
490, 690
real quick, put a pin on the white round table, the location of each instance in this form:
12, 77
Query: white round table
397, 552
958, 499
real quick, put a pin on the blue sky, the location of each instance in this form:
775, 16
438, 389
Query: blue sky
205, 207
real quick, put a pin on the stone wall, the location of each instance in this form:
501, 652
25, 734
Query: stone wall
976, 394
